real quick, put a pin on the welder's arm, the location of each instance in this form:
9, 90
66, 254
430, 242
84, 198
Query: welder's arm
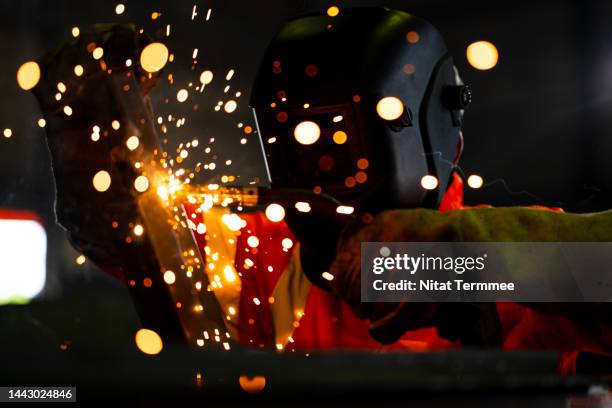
391, 320
80, 111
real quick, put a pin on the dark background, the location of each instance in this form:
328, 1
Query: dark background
538, 131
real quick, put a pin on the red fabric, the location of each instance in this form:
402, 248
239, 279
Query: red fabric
270, 260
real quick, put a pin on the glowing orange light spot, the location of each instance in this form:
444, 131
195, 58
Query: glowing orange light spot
333, 11
252, 384
28, 75
413, 37
350, 182
339, 137
147, 282
361, 177
154, 57
482, 55
148, 341
362, 164
102, 181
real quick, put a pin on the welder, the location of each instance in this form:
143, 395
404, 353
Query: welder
365, 107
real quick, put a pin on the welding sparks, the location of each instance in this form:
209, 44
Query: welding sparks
154, 57
307, 132
230, 106
206, 77
302, 206
482, 55
28, 75
345, 209
333, 11
287, 243
233, 221
102, 181
253, 241
390, 108
132, 142
229, 274
141, 184
7, 133
475, 181
75, 31
119, 9
339, 137
78, 70
429, 182
148, 341
182, 95
169, 277
138, 230
327, 276
275, 212
97, 53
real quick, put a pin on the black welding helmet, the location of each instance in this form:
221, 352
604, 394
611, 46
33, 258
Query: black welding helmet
365, 106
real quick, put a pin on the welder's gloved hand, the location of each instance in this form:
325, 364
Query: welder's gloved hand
475, 324
82, 94
318, 231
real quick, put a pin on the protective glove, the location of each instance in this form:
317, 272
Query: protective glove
108, 90
475, 324
317, 230
472, 323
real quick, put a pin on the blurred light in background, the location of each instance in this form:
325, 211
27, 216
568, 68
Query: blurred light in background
28, 75
23, 259
390, 108
482, 55
475, 181
148, 341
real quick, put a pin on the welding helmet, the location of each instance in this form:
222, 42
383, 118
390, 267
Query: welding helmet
360, 105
